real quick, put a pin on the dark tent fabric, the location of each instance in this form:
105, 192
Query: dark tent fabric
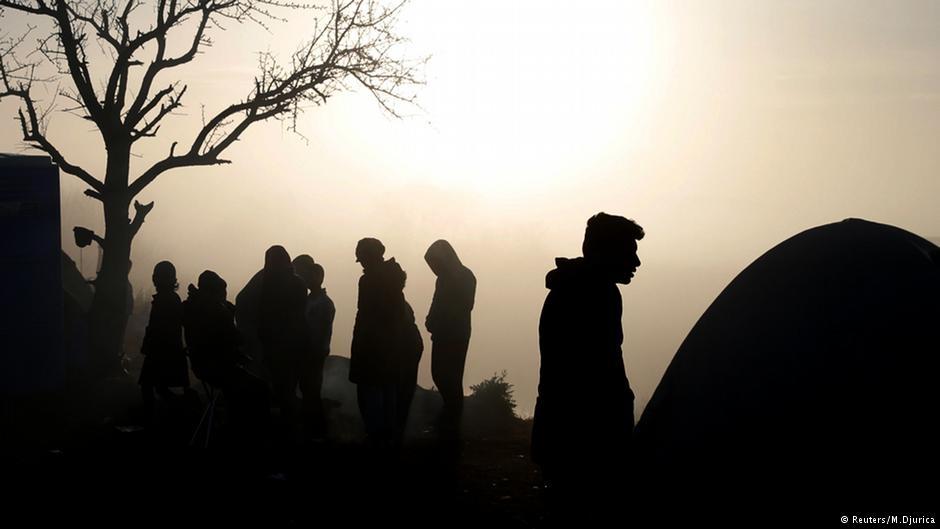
809, 384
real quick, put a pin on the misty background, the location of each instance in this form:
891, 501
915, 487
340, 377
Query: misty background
722, 127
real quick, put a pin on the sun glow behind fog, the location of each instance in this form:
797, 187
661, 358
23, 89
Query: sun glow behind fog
521, 94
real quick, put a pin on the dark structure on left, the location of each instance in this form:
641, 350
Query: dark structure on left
32, 355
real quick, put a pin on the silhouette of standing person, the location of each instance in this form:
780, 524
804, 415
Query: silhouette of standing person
214, 351
584, 411
247, 314
448, 321
319, 313
282, 329
386, 345
164, 355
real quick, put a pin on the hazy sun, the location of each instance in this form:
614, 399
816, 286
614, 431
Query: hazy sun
527, 92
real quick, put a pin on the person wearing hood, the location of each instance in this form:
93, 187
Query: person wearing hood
448, 321
386, 345
584, 411
247, 312
282, 330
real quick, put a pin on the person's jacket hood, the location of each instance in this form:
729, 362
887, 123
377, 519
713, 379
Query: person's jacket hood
567, 273
389, 273
443, 253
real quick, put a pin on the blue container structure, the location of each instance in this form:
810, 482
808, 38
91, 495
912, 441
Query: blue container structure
32, 357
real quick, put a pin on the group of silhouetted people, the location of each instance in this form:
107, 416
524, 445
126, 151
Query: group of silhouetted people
285, 317
583, 428
584, 412
212, 342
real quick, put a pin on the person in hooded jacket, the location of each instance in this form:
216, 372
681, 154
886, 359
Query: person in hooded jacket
282, 329
448, 321
214, 351
247, 313
386, 345
164, 355
584, 411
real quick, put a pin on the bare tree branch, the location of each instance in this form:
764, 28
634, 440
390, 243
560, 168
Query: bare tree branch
168, 17
15, 81
140, 213
117, 82
73, 48
151, 127
357, 44
27, 6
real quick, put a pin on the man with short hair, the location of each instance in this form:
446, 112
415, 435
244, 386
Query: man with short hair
386, 346
584, 412
319, 314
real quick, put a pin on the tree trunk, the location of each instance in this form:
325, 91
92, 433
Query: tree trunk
109, 308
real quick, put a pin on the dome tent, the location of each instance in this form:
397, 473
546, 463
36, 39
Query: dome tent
809, 384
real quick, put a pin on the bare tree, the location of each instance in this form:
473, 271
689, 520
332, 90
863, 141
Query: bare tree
352, 44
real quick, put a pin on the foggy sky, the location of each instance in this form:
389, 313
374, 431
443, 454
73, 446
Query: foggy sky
721, 127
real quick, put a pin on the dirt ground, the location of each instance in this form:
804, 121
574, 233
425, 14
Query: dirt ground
62, 463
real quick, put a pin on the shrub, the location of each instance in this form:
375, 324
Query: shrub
491, 408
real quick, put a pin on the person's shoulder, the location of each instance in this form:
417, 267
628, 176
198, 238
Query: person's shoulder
167, 299
469, 275
393, 268
553, 295
251, 290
